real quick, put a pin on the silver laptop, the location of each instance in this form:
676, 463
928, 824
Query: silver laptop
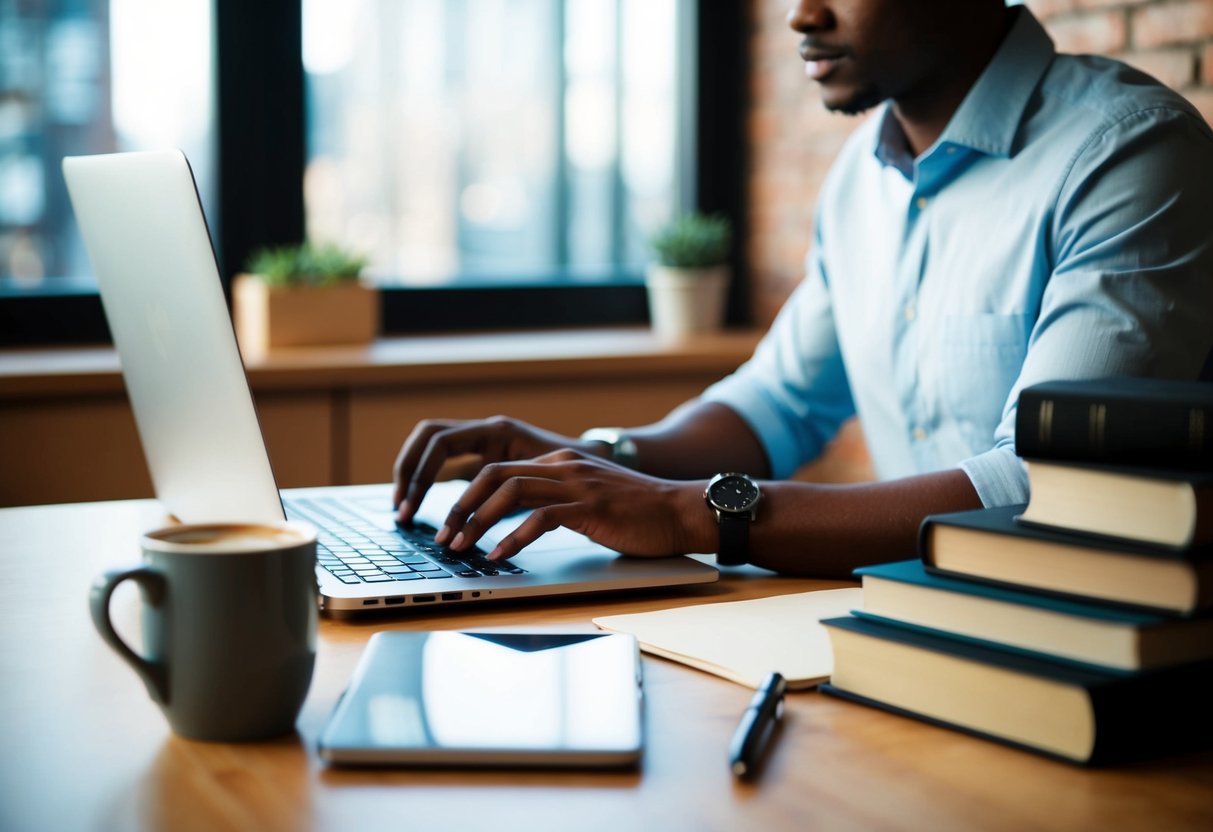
147, 238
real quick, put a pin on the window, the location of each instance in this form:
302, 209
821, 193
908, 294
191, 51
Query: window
90, 77
492, 141
501, 160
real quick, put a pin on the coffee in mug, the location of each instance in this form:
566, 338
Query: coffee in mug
229, 624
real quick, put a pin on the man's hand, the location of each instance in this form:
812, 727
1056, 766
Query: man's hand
612, 505
436, 441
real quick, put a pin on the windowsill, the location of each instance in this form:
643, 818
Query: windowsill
430, 359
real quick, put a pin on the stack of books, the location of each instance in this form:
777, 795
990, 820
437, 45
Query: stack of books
1079, 626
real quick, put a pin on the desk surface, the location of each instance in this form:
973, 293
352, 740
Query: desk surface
83, 748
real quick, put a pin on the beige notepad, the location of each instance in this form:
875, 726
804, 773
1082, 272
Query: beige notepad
743, 641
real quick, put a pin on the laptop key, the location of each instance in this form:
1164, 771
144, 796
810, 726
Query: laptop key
376, 579
407, 576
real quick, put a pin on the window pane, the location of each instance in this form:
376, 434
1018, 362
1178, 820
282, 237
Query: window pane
491, 140
91, 76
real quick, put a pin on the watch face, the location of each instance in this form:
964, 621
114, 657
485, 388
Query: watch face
733, 493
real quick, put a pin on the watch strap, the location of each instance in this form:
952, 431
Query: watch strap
734, 539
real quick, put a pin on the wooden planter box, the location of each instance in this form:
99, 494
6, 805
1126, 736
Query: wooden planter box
292, 316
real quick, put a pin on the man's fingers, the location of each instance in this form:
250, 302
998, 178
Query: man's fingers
540, 522
477, 512
410, 452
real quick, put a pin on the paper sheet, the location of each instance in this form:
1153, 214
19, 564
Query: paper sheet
743, 641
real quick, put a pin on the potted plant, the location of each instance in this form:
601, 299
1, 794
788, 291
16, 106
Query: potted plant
302, 295
688, 280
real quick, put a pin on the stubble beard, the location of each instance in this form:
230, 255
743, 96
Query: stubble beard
858, 103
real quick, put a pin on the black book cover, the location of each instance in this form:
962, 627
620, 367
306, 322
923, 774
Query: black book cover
1132, 421
1004, 520
1062, 580
1136, 715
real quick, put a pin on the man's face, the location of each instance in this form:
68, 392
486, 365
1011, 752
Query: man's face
863, 52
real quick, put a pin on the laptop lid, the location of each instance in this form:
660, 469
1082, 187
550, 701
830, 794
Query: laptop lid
146, 235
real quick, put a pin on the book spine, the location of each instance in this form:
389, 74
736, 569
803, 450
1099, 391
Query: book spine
1139, 721
1153, 432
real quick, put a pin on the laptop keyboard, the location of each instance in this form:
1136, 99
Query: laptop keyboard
357, 551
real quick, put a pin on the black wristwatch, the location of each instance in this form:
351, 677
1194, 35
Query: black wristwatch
734, 498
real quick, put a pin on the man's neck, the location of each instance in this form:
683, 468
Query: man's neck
925, 111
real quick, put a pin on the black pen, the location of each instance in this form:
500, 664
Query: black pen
757, 725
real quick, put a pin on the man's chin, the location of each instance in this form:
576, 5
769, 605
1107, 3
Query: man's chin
853, 104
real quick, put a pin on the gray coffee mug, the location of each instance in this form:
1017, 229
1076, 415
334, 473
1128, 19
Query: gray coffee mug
229, 626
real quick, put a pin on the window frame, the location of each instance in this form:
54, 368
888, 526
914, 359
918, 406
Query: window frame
261, 156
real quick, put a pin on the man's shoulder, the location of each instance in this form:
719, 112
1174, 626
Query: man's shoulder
1098, 92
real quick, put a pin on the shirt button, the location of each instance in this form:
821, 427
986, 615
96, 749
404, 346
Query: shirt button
920, 434
909, 313
921, 202
951, 149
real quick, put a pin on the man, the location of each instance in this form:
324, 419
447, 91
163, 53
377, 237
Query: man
1012, 216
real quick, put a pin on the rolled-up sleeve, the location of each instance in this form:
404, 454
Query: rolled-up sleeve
793, 393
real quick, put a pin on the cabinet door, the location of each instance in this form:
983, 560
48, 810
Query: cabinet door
72, 449
381, 420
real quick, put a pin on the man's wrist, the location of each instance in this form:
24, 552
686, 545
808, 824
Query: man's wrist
612, 444
699, 525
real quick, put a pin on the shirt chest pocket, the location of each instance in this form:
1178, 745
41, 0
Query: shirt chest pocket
981, 356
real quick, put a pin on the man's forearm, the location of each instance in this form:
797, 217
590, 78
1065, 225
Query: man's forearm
828, 530
697, 440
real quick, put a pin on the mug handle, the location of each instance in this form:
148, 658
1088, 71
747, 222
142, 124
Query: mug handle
154, 674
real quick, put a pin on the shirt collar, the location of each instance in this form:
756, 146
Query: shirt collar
989, 116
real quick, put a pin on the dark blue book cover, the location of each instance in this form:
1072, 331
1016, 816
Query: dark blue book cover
1102, 636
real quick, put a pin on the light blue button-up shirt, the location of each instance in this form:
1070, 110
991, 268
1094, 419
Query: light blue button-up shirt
1061, 227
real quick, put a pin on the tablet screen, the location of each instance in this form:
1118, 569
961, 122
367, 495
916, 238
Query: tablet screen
490, 699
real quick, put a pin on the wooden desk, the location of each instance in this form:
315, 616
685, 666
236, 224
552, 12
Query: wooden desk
82, 747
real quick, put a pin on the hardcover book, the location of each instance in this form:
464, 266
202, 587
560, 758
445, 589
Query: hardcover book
1164, 507
1074, 714
1141, 421
989, 545
1114, 638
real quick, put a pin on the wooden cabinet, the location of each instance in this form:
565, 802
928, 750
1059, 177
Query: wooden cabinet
339, 415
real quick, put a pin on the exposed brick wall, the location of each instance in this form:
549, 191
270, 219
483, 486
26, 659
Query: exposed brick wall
794, 140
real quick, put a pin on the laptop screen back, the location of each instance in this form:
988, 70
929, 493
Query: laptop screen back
148, 242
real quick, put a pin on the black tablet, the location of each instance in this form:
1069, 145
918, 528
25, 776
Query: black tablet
491, 699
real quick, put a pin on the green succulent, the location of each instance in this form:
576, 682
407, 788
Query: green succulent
693, 241
306, 265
